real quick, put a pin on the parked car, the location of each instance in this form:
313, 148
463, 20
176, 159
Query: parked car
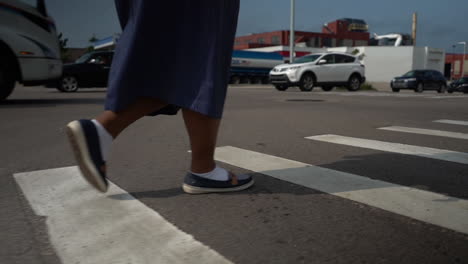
323, 69
90, 70
29, 45
460, 85
420, 80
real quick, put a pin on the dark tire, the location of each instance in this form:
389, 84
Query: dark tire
7, 78
68, 84
256, 80
450, 91
327, 88
395, 90
307, 82
419, 88
354, 83
281, 87
235, 79
442, 88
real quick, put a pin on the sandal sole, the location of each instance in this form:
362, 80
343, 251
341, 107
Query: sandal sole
85, 164
200, 190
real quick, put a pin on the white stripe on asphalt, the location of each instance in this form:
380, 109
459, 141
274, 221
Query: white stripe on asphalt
433, 153
452, 122
433, 208
429, 132
88, 227
447, 97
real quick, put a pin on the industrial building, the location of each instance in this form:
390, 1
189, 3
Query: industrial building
455, 64
343, 32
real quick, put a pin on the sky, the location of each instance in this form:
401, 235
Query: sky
441, 23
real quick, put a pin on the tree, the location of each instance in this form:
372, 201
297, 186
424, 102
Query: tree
64, 55
92, 40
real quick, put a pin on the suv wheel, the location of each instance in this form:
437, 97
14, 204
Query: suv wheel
307, 82
395, 90
68, 84
7, 79
281, 87
327, 88
442, 88
419, 88
354, 83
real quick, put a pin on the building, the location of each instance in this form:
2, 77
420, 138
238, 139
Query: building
343, 32
454, 66
106, 43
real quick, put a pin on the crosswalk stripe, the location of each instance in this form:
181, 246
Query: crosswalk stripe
433, 153
433, 208
452, 122
429, 132
88, 227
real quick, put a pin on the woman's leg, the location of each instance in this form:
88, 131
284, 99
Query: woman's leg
203, 132
116, 122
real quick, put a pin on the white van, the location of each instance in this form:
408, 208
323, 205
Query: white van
29, 46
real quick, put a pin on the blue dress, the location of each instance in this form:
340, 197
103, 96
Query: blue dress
176, 51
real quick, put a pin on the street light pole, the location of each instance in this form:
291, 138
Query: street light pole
464, 54
291, 32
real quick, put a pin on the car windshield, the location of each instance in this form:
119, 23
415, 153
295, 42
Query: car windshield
309, 58
83, 58
412, 74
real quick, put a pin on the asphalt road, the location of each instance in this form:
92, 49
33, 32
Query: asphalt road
276, 221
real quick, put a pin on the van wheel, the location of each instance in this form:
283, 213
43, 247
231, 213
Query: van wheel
68, 84
7, 80
307, 82
281, 87
442, 88
419, 88
354, 83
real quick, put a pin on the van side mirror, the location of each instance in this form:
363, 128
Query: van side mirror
321, 62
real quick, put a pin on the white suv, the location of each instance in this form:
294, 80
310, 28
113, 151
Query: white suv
325, 69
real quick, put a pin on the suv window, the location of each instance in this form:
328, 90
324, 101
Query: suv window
428, 74
343, 59
330, 59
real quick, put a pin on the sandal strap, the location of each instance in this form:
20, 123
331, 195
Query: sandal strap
233, 177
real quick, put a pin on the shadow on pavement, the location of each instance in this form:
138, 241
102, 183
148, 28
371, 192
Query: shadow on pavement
21, 103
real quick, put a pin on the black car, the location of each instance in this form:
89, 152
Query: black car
460, 85
420, 80
90, 70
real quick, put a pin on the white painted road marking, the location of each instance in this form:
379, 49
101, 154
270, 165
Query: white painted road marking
433, 153
429, 132
433, 208
452, 122
88, 227
447, 97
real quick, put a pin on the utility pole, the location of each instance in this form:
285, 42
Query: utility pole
464, 59
291, 32
415, 28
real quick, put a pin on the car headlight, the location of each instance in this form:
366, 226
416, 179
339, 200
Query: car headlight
410, 80
290, 68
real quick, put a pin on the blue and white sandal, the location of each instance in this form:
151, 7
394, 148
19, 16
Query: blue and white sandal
194, 184
84, 140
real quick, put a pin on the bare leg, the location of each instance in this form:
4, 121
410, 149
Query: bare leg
115, 123
203, 132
